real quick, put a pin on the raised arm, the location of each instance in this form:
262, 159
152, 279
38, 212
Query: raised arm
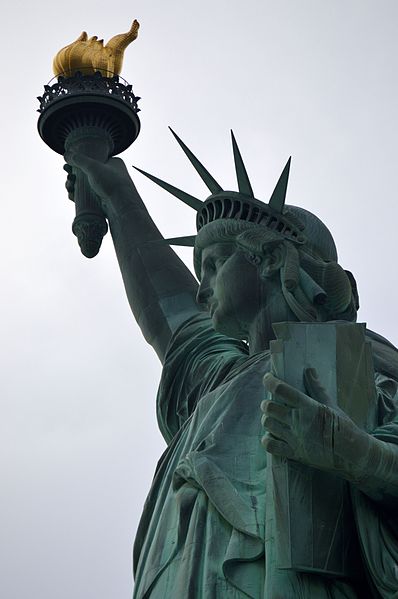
160, 288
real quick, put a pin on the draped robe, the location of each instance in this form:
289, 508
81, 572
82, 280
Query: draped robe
203, 529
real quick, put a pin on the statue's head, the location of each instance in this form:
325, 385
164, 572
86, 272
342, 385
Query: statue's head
261, 249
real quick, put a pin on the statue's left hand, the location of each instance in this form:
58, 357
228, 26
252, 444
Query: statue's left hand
307, 429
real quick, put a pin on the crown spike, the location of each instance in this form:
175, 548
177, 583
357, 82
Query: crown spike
178, 193
187, 241
241, 173
207, 178
278, 197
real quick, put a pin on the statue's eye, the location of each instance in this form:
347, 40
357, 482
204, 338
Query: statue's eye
210, 266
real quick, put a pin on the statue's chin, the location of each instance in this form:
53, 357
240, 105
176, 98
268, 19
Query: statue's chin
227, 326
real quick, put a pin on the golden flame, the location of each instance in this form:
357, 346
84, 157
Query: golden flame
90, 55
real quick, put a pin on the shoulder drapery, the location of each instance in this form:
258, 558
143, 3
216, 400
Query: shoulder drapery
198, 360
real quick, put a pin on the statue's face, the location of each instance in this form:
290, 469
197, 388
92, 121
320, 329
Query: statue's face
230, 288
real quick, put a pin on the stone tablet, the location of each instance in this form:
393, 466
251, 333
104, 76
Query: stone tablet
311, 509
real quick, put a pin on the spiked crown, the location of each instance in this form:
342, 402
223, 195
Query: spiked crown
314, 279
288, 222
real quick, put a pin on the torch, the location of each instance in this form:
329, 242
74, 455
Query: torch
89, 107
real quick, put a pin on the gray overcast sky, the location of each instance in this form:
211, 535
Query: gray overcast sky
315, 79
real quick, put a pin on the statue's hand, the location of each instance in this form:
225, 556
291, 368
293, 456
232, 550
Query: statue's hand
307, 429
109, 180
70, 182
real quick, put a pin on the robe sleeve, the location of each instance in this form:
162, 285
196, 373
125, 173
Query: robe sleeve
197, 360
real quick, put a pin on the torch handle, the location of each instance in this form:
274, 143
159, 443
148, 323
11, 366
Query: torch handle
90, 224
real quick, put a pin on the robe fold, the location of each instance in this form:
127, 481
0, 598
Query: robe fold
203, 529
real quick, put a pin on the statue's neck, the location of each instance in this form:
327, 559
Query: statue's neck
261, 332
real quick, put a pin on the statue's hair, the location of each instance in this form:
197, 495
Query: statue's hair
314, 285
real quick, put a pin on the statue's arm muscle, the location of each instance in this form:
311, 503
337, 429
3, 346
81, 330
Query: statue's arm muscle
160, 288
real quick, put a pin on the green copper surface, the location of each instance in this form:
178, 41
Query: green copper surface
280, 476
241, 173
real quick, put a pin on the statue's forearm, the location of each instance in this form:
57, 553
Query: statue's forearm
160, 288
379, 476
367, 462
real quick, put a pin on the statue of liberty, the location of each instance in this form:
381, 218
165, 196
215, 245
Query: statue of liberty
205, 531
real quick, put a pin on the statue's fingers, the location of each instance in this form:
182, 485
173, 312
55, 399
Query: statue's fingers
284, 392
70, 186
70, 179
68, 168
276, 446
314, 387
276, 410
276, 428
269, 381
